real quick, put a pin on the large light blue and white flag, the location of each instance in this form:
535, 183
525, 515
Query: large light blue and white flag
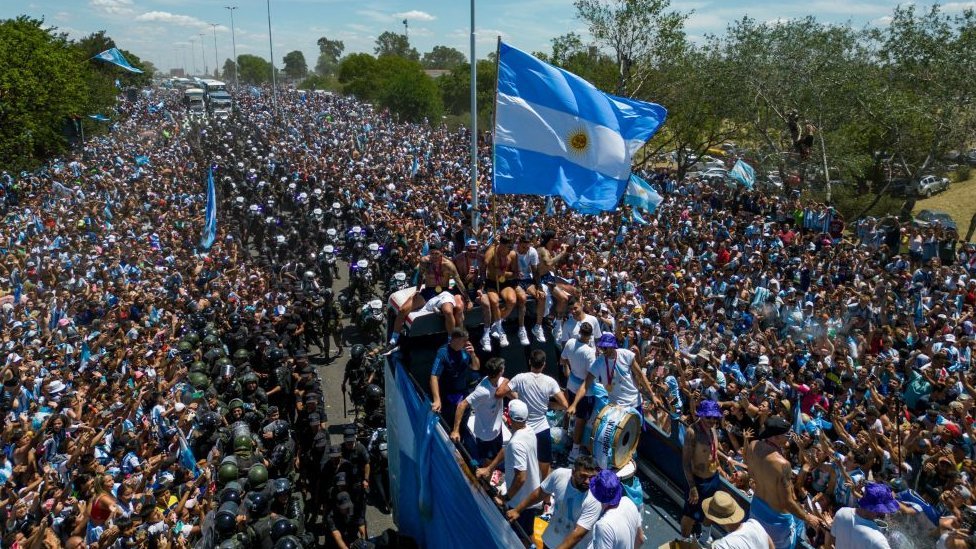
641, 195
557, 134
743, 173
99, 117
210, 216
115, 57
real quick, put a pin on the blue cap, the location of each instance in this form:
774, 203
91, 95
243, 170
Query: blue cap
607, 340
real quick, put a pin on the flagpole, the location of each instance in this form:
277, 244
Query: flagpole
494, 115
474, 130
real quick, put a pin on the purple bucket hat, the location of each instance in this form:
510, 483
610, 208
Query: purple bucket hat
606, 488
708, 409
878, 498
607, 340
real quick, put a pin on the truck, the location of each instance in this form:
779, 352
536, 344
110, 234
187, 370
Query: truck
193, 101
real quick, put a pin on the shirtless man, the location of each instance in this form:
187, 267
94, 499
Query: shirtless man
471, 264
434, 293
500, 268
774, 502
551, 255
700, 463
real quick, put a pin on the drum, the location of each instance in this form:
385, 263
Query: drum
612, 436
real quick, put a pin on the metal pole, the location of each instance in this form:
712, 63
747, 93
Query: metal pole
216, 57
193, 55
274, 81
474, 130
233, 39
203, 55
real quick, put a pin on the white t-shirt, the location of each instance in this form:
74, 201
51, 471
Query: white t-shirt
521, 454
580, 356
617, 528
527, 263
571, 328
486, 409
567, 507
616, 377
535, 390
750, 535
853, 532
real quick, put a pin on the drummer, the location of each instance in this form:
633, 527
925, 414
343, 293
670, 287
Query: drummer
619, 373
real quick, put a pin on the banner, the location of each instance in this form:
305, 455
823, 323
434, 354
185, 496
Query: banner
115, 57
432, 495
210, 215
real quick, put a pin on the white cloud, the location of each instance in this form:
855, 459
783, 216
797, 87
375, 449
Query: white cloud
113, 7
176, 19
883, 21
959, 6
415, 15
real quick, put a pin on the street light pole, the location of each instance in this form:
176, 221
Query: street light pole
274, 82
216, 57
233, 39
474, 130
193, 54
203, 55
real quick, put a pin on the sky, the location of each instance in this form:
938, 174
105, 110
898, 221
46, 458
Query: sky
167, 32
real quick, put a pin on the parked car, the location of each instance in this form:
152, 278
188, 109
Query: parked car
931, 184
926, 218
715, 174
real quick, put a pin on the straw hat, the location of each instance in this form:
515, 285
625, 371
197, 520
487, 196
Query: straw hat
722, 509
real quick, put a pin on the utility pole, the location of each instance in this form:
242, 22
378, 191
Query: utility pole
216, 57
274, 82
233, 39
193, 54
474, 130
203, 55
406, 30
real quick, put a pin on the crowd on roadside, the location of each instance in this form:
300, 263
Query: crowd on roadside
137, 362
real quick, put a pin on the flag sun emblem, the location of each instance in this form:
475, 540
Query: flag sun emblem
579, 142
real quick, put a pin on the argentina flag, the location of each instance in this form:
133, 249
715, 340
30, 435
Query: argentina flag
743, 173
115, 57
557, 134
641, 195
210, 215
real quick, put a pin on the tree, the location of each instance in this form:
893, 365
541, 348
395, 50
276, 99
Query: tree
253, 69
358, 75
295, 66
641, 33
569, 52
443, 57
227, 74
43, 84
391, 43
455, 90
406, 90
329, 53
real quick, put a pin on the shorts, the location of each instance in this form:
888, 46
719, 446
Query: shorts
435, 303
585, 407
488, 449
524, 284
543, 442
706, 489
497, 287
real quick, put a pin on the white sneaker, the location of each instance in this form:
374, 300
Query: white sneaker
502, 339
557, 329
539, 335
496, 330
486, 342
523, 337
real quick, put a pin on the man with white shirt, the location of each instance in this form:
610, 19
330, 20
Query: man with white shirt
577, 356
618, 371
536, 389
620, 525
570, 327
521, 465
487, 411
569, 489
722, 509
856, 528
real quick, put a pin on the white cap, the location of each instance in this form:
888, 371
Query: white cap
518, 411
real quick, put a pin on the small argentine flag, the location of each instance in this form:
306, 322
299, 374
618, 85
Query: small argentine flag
743, 173
640, 194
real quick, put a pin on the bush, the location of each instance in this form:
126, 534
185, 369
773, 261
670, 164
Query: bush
963, 172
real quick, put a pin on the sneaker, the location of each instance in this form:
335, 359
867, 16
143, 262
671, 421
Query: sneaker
573, 454
486, 342
539, 335
496, 330
523, 337
502, 339
394, 338
557, 329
